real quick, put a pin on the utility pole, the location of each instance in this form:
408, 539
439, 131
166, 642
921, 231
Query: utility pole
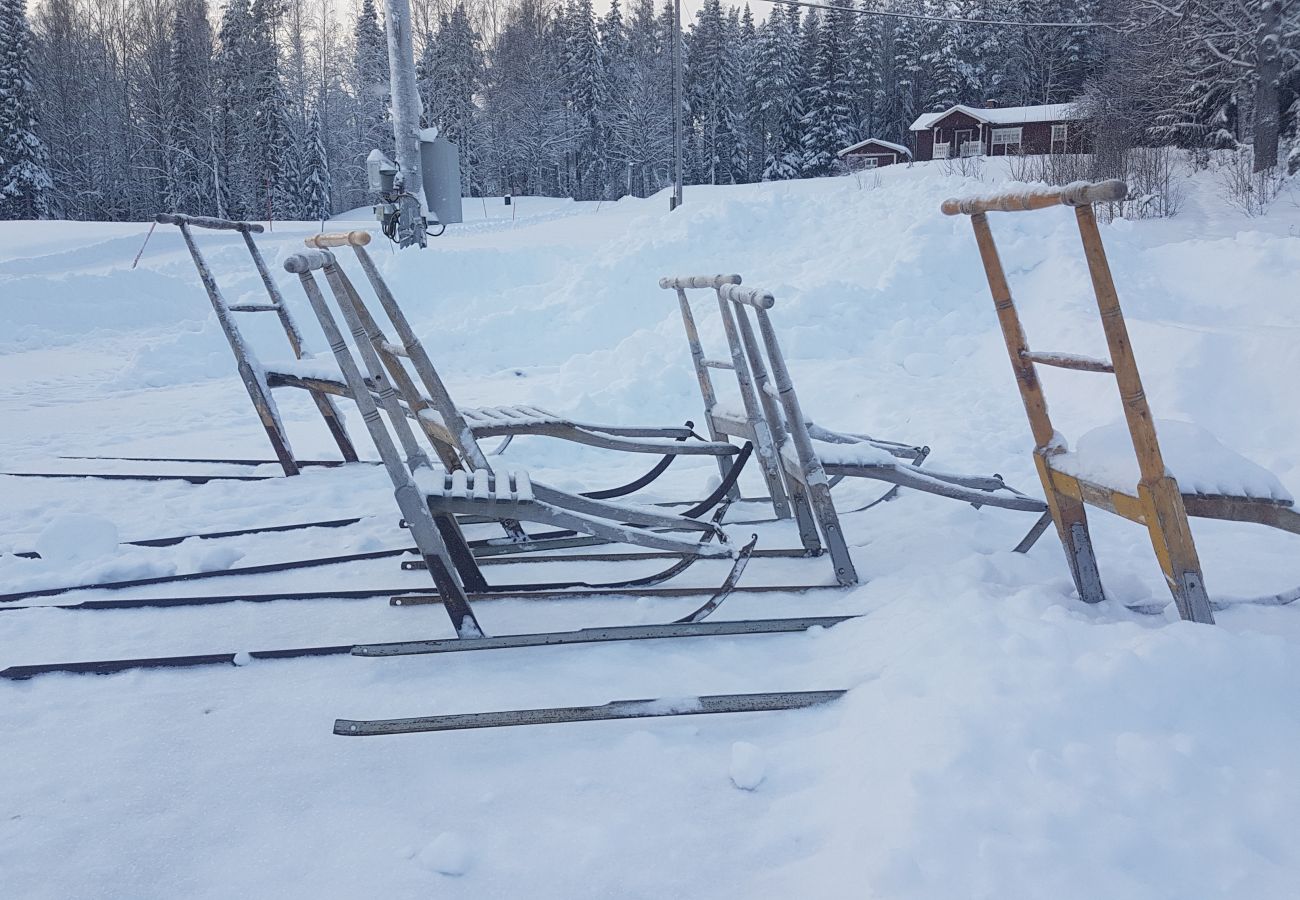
413, 211
676, 199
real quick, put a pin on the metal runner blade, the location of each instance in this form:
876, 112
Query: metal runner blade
600, 635
410, 648
617, 709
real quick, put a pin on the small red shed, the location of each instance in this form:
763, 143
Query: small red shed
874, 153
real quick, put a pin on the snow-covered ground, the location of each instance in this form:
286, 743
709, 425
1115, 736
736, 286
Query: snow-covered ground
999, 739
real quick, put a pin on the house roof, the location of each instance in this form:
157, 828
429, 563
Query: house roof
897, 148
1003, 115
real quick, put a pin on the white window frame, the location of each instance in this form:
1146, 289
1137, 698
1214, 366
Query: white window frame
1000, 137
1060, 135
870, 162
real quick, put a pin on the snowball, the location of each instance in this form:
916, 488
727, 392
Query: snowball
448, 855
77, 537
242, 658
748, 767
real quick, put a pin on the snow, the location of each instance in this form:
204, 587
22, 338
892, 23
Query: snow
74, 538
447, 854
998, 738
748, 765
1194, 456
1003, 115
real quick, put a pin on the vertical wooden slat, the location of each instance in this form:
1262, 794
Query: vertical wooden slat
814, 476
1069, 514
324, 404
1166, 518
799, 499
764, 444
466, 444
409, 497
252, 379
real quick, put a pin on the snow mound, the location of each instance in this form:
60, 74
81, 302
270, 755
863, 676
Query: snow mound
748, 765
77, 537
1193, 455
447, 854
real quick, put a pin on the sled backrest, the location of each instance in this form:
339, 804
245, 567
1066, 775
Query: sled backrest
749, 423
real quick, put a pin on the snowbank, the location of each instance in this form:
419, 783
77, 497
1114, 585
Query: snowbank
998, 740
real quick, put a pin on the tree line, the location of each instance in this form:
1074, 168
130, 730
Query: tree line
116, 109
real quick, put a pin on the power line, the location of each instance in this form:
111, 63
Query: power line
924, 18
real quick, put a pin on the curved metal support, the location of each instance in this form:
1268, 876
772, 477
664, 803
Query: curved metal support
724, 487
981, 491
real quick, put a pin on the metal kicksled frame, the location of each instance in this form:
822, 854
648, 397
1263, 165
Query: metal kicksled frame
251, 372
430, 499
306, 373
773, 417
1157, 501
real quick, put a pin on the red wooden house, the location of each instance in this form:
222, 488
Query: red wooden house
874, 153
999, 131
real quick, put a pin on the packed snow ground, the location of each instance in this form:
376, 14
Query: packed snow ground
999, 740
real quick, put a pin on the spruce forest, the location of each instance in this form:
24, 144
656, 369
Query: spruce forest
117, 110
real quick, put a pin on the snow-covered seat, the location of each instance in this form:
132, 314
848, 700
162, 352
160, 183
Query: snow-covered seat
512, 494
1197, 460
314, 373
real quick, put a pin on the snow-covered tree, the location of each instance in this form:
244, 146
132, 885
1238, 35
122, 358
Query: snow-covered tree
828, 95
25, 183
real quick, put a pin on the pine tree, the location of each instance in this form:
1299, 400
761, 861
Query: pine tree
584, 77
865, 72
190, 169
313, 185
370, 101
25, 183
755, 118
940, 43
235, 187
828, 97
270, 142
619, 139
712, 90
449, 74
783, 71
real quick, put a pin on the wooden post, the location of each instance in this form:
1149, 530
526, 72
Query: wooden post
253, 383
410, 499
1069, 514
1166, 518
329, 412
799, 499
814, 476
707, 393
764, 444
465, 444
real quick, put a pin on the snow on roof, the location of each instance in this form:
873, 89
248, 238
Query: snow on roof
1003, 115
897, 148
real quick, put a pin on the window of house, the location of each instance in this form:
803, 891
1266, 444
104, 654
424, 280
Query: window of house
1006, 137
870, 162
1059, 133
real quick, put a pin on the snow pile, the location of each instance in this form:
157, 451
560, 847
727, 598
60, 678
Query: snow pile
447, 854
76, 538
1192, 455
748, 766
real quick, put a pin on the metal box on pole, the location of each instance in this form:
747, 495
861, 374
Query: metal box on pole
440, 160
